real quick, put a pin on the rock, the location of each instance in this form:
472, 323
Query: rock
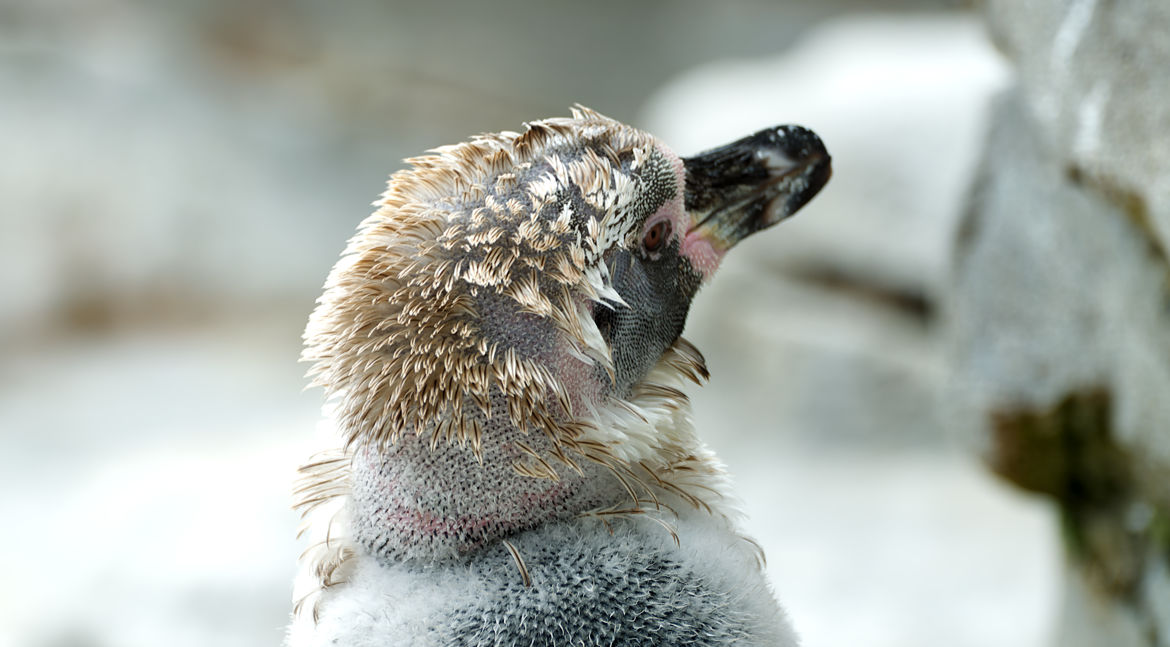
1059, 305
1094, 75
1056, 290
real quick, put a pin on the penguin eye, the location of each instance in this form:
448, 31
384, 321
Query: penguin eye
656, 235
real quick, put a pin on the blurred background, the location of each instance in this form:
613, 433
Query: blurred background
178, 177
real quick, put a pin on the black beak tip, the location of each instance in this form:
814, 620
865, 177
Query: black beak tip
805, 150
818, 177
795, 142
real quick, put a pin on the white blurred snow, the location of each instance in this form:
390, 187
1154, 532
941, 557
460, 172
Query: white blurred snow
146, 486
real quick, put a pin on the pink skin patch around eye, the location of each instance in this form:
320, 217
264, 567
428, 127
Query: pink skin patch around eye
704, 257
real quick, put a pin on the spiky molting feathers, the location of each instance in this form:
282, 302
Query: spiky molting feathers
484, 362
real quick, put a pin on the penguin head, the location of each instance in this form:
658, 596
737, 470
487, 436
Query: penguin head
714, 200
544, 276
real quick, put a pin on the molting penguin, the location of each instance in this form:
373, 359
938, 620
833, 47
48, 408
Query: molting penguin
500, 347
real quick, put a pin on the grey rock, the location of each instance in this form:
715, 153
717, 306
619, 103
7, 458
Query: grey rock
1094, 74
1059, 308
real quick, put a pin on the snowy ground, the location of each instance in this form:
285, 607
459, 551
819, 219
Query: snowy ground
149, 478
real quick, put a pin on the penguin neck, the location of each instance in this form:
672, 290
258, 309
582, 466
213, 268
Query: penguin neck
410, 501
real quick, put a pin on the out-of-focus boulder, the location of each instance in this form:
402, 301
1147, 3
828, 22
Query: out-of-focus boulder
1060, 300
1094, 76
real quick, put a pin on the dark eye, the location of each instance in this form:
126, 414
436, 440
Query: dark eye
656, 235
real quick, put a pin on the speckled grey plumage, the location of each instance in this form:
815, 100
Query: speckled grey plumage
632, 588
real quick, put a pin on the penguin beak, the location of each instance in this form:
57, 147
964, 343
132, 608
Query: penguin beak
751, 184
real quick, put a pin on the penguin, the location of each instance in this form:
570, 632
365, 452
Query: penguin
500, 349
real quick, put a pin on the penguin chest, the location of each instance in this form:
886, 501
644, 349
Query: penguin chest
588, 584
